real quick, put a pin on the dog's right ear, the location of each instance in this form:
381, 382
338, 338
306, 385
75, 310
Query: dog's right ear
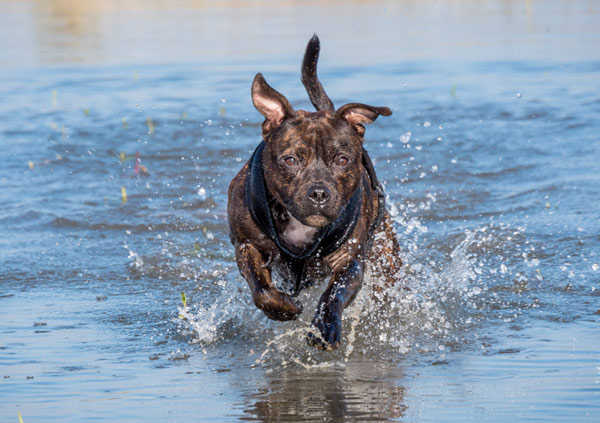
271, 104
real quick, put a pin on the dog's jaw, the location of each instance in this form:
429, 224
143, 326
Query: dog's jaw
316, 221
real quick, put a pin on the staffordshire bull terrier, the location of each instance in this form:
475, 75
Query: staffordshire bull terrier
308, 206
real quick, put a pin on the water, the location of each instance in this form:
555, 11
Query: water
490, 163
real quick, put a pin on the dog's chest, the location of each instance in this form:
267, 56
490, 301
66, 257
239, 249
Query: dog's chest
298, 235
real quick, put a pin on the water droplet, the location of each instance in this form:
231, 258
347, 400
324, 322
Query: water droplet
405, 138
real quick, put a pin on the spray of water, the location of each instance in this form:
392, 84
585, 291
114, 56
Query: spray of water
436, 299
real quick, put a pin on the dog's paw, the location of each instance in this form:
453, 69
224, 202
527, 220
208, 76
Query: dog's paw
277, 305
326, 331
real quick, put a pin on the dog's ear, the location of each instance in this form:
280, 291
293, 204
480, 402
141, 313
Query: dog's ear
271, 104
356, 114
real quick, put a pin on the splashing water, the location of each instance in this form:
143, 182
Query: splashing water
428, 310
494, 200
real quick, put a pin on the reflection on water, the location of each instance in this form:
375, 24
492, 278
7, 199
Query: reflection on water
490, 161
366, 392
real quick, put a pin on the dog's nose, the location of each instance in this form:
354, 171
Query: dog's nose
319, 194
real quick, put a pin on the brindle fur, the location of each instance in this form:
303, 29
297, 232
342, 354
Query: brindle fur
317, 140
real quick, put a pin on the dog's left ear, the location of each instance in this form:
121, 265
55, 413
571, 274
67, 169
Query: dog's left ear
271, 104
356, 114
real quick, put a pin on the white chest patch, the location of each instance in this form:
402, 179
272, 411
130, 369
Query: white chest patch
298, 235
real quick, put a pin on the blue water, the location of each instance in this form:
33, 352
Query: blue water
490, 162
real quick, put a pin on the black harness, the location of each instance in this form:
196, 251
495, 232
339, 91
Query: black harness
328, 239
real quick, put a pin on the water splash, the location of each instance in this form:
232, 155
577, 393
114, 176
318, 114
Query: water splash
430, 310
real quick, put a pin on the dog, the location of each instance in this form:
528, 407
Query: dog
308, 206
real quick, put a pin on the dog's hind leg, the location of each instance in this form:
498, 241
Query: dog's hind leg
384, 256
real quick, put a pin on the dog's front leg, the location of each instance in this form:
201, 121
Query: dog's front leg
342, 289
276, 305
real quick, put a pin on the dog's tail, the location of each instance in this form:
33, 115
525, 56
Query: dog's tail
315, 90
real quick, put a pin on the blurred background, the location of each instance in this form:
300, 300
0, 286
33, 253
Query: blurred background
122, 124
70, 32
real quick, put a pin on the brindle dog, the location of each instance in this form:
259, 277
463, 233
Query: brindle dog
308, 205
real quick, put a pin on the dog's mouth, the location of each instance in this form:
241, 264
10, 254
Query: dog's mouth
311, 217
310, 214
316, 220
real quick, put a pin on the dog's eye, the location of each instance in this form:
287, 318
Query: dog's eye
290, 161
343, 161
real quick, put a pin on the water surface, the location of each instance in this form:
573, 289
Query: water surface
122, 125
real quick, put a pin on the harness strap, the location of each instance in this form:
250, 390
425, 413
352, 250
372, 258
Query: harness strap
329, 238
378, 188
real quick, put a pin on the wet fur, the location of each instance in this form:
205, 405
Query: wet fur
316, 140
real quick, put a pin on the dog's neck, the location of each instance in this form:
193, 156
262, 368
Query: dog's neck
297, 235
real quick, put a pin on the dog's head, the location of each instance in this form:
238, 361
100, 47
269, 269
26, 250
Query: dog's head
312, 160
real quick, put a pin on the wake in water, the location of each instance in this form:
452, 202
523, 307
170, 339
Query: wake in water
436, 300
